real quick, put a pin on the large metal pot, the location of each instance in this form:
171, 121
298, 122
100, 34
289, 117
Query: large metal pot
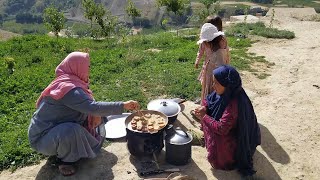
142, 144
167, 106
178, 146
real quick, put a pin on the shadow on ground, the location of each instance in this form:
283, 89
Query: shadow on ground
262, 165
96, 168
270, 145
146, 164
264, 168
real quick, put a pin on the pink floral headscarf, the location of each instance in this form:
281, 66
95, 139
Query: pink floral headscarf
72, 72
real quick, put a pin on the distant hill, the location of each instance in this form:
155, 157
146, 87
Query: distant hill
73, 9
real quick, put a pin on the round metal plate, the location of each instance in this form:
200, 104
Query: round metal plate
115, 126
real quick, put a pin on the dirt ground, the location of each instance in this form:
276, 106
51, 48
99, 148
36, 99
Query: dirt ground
5, 35
286, 103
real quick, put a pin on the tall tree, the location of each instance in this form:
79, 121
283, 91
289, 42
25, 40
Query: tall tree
99, 14
110, 24
132, 11
210, 9
89, 10
208, 3
54, 20
175, 6
178, 7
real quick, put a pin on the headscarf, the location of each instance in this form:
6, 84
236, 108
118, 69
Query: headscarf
228, 77
72, 72
247, 129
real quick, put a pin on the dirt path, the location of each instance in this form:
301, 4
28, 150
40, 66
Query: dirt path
286, 103
244, 3
289, 104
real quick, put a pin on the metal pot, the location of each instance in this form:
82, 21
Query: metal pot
142, 144
178, 146
167, 106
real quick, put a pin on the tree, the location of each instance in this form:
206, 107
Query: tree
89, 10
132, 11
178, 7
209, 8
97, 14
109, 24
208, 3
175, 6
53, 20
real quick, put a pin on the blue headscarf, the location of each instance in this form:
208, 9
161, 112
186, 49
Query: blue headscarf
248, 131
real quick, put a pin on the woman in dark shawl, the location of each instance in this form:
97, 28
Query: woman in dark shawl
229, 123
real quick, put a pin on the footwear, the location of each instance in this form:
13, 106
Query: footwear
67, 168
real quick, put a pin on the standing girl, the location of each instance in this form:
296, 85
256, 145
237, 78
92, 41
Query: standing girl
212, 43
217, 21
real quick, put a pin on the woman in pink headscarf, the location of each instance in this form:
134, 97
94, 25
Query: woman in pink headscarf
67, 115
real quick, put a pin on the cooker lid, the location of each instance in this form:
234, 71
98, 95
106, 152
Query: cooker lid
179, 137
166, 106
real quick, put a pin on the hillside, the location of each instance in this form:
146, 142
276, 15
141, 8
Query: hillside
5, 35
73, 9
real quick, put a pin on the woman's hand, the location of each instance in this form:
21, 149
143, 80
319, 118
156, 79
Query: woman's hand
131, 105
95, 121
200, 112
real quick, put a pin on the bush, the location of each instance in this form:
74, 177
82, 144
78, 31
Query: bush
274, 33
259, 29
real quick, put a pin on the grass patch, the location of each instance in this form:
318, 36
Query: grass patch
299, 3
259, 29
263, 75
120, 70
315, 18
18, 28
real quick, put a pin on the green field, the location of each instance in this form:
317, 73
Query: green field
18, 28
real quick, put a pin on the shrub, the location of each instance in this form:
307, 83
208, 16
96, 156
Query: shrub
9, 64
259, 29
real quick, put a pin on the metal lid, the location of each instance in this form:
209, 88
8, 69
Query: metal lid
179, 137
166, 106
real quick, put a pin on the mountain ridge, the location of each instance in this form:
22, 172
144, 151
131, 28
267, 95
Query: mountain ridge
74, 11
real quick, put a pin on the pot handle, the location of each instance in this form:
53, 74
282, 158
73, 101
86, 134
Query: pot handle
170, 130
184, 133
164, 103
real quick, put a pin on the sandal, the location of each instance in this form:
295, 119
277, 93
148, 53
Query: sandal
67, 168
